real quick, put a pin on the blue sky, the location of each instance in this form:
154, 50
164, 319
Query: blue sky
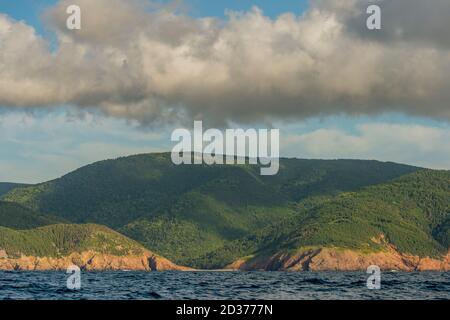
27, 10
41, 145
31, 10
270, 7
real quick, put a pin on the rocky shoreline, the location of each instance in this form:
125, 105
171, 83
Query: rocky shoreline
337, 259
321, 259
90, 261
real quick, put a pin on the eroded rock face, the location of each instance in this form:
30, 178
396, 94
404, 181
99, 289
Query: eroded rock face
322, 259
91, 261
335, 259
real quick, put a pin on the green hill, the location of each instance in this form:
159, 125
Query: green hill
15, 216
412, 212
5, 187
61, 240
184, 212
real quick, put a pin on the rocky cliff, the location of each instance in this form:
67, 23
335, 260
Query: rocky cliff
337, 259
90, 261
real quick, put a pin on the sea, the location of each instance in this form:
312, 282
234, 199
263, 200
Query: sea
224, 286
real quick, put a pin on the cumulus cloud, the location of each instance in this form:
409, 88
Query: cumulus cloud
132, 60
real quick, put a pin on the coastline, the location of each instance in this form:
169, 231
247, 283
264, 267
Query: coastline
306, 260
91, 261
340, 259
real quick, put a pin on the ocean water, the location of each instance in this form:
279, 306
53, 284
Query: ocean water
223, 285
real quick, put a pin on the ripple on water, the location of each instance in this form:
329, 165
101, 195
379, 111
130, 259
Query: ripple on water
223, 285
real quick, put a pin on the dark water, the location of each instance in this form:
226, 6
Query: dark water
223, 285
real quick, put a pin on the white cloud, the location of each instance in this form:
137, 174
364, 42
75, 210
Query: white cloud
158, 66
411, 144
40, 147
151, 67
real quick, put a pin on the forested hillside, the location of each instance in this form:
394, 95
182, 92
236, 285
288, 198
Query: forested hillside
5, 187
185, 212
411, 213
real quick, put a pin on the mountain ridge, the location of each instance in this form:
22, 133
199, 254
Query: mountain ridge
5, 187
212, 216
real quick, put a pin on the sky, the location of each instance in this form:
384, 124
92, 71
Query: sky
32, 10
130, 76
